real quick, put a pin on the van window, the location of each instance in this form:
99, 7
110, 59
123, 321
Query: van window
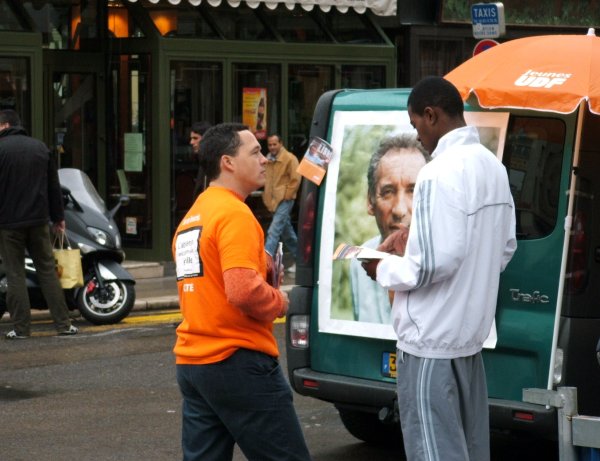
533, 156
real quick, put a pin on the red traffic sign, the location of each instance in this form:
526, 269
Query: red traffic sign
483, 45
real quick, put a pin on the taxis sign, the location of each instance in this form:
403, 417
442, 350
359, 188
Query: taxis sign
488, 20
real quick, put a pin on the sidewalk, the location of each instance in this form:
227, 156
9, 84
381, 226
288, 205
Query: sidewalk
155, 288
161, 292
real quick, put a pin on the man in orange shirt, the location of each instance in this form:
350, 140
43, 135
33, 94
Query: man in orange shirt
232, 385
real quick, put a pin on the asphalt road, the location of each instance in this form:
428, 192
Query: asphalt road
109, 393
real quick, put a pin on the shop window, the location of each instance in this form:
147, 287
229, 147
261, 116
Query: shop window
363, 76
75, 121
257, 98
196, 95
256, 103
129, 163
66, 24
306, 83
15, 87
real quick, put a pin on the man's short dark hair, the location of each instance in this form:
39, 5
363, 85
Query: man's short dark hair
435, 92
406, 140
274, 135
10, 116
219, 140
200, 127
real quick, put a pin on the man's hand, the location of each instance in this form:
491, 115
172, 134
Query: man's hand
58, 227
286, 304
270, 270
370, 267
395, 243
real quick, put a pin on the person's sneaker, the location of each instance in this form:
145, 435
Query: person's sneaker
72, 330
291, 269
12, 334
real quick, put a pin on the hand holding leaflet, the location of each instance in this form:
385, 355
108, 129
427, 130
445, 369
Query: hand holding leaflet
394, 244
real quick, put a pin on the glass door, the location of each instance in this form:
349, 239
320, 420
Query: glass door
129, 165
75, 121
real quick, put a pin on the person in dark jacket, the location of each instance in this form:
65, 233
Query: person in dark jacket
30, 197
197, 130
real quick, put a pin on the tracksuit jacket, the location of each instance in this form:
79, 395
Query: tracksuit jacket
462, 235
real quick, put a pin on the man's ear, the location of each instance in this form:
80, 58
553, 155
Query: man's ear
430, 115
226, 163
370, 206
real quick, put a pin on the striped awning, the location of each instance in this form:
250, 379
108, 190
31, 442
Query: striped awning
378, 7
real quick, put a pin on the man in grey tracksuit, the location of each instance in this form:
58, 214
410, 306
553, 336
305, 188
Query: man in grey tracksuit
461, 237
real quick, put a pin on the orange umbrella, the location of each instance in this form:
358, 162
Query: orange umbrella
551, 73
548, 72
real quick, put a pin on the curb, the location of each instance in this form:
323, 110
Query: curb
156, 303
140, 305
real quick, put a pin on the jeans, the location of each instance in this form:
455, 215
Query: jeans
13, 243
281, 229
243, 399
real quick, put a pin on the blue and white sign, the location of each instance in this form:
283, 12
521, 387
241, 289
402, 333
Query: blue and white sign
488, 20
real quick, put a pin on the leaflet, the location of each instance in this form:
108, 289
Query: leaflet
313, 165
346, 251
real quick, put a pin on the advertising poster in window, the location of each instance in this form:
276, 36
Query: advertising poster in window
368, 191
254, 111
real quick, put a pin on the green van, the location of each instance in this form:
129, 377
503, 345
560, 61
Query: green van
547, 324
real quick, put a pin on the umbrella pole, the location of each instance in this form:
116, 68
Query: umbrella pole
565, 252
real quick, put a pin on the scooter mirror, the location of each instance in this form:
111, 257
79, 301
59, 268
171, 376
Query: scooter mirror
66, 192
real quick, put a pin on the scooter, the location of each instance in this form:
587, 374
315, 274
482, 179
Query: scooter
108, 291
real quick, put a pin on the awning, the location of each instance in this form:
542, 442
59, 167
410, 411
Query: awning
379, 7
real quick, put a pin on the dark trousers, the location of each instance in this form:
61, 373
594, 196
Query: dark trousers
244, 399
36, 240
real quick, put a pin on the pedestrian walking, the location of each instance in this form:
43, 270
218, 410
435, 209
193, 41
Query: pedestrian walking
280, 191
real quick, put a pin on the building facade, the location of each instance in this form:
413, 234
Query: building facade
114, 85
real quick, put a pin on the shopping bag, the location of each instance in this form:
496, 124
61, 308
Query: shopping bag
68, 263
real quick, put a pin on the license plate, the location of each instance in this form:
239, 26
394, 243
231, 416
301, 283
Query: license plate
388, 364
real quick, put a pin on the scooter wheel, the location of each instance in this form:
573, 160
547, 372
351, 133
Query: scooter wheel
107, 305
